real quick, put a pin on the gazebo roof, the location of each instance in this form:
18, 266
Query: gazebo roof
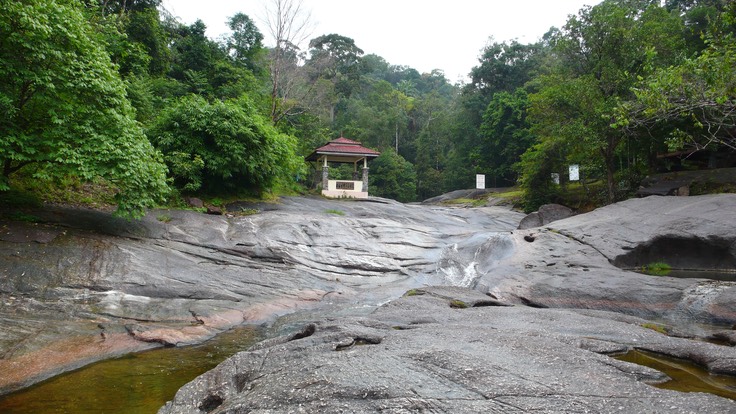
343, 147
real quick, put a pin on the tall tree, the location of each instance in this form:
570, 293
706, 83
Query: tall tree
505, 67
698, 96
434, 114
289, 25
335, 59
63, 107
602, 50
393, 177
245, 43
504, 135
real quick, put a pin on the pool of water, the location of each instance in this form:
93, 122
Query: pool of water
138, 383
686, 376
726, 275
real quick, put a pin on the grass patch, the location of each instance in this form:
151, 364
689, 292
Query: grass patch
478, 202
335, 212
656, 269
164, 218
513, 193
68, 190
655, 327
512, 196
247, 211
413, 292
21, 216
458, 304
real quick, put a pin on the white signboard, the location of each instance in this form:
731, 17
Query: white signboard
480, 181
556, 178
574, 172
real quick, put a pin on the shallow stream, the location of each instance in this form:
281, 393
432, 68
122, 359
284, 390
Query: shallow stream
137, 383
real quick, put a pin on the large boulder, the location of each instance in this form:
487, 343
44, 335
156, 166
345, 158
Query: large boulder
545, 215
577, 262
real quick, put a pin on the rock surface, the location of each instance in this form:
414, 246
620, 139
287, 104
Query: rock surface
570, 263
84, 286
420, 353
545, 215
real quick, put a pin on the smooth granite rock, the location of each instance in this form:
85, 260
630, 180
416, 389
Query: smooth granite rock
84, 286
545, 215
422, 354
114, 286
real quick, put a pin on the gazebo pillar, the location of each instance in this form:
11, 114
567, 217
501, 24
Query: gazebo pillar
365, 174
325, 175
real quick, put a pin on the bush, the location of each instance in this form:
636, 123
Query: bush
223, 146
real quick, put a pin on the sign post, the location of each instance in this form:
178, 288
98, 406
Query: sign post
480, 181
575, 172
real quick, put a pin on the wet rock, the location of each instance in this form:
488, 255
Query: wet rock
487, 359
182, 281
571, 262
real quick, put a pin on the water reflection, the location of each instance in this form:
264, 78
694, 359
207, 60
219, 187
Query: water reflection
137, 383
685, 376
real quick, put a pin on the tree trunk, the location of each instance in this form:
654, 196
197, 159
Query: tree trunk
397, 137
609, 155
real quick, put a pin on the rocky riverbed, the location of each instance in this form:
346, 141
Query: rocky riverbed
81, 285
527, 325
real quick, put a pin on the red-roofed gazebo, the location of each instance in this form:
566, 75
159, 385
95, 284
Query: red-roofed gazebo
345, 151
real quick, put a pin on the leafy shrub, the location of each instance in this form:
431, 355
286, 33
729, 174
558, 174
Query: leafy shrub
223, 146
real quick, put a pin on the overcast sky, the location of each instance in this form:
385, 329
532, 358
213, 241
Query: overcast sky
422, 34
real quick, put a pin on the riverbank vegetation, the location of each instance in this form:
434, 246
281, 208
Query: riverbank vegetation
121, 96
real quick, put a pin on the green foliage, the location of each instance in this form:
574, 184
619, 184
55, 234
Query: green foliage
223, 146
574, 107
657, 269
621, 82
505, 67
336, 58
698, 97
244, 44
458, 304
504, 135
392, 176
537, 165
655, 327
63, 105
67, 189
335, 212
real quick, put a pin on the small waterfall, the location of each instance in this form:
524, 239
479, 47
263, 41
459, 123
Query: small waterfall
463, 264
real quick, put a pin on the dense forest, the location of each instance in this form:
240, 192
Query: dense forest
119, 92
